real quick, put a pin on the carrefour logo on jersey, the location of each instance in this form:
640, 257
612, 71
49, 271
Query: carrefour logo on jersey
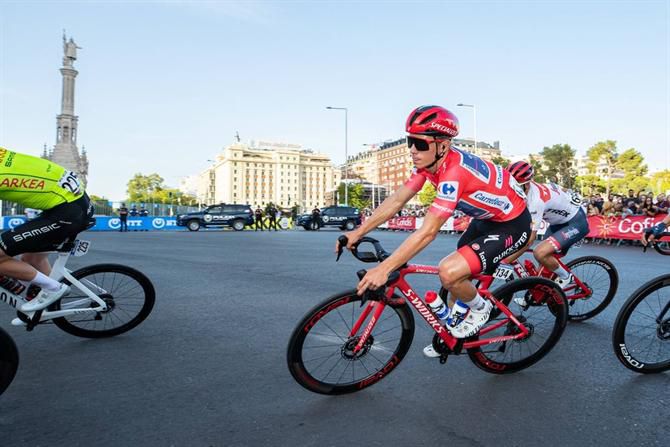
448, 191
500, 202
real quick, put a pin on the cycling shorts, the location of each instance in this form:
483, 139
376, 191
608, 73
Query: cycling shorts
49, 230
565, 235
486, 243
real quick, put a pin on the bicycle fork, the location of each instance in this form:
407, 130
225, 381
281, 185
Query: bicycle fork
374, 307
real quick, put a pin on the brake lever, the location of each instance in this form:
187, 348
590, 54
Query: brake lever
343, 240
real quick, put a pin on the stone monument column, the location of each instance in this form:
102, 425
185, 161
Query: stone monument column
65, 152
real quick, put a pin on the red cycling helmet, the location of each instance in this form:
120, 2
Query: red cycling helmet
434, 121
522, 171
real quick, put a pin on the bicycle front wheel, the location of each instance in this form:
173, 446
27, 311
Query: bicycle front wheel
9, 360
601, 280
321, 353
641, 334
129, 295
540, 305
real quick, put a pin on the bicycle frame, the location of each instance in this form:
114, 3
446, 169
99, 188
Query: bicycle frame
377, 307
584, 291
59, 272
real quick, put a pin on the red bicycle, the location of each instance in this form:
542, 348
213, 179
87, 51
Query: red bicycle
595, 282
349, 342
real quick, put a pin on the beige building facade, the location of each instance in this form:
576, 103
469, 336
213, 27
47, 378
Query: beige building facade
263, 172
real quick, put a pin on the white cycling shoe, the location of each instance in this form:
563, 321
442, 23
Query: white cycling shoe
472, 322
44, 299
428, 351
565, 283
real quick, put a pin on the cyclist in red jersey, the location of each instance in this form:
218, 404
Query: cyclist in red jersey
480, 189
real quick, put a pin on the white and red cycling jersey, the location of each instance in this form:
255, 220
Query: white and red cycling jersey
551, 203
474, 186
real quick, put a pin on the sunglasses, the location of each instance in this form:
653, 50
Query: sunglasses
420, 144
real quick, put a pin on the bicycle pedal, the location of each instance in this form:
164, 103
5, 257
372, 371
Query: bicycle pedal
443, 359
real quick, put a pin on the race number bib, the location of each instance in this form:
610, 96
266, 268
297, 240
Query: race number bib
575, 199
70, 182
504, 272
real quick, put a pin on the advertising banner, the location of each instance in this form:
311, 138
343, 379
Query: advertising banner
106, 223
631, 227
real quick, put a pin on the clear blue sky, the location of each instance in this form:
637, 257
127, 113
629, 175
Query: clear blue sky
162, 87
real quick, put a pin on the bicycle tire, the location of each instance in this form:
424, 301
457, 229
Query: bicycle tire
112, 296
576, 308
493, 358
663, 246
9, 360
340, 348
624, 348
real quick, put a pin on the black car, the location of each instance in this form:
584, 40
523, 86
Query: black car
343, 217
235, 216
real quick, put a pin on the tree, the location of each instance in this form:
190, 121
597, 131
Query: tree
660, 181
631, 162
537, 167
427, 194
144, 188
558, 161
603, 152
356, 195
501, 161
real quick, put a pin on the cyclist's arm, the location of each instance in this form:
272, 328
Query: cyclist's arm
388, 209
517, 255
416, 242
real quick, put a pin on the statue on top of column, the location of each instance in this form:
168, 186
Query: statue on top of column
69, 51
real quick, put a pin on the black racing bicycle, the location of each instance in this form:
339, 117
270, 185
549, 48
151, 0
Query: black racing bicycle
641, 334
9, 360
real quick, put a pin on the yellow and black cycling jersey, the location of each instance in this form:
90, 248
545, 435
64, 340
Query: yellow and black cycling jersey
35, 182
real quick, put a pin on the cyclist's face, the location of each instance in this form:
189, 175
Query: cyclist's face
422, 158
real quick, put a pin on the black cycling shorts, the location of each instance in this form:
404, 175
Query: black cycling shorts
485, 243
49, 230
565, 235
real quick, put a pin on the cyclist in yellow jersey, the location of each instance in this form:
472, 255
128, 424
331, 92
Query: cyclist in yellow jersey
38, 183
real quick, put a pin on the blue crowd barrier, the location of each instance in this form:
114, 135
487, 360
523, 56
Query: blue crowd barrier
106, 223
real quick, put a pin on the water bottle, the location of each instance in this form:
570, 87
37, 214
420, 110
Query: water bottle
530, 268
437, 305
12, 285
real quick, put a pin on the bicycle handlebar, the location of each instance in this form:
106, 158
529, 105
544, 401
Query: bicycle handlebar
378, 256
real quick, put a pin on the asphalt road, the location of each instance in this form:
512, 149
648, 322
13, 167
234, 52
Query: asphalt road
208, 367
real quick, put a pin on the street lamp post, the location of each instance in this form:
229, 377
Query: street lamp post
346, 156
474, 119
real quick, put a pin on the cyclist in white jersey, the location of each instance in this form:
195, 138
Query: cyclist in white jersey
562, 211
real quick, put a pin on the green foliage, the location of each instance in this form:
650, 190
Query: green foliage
558, 160
660, 181
539, 176
501, 161
150, 188
630, 162
356, 196
427, 194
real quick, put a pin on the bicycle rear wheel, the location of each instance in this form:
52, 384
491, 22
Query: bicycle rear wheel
545, 317
320, 351
9, 360
641, 334
602, 280
129, 295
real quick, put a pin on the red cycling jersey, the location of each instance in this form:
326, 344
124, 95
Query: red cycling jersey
474, 186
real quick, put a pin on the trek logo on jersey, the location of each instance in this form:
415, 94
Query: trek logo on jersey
448, 191
23, 183
492, 200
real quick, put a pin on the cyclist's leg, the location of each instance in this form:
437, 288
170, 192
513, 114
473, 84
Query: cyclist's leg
494, 242
38, 260
560, 238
